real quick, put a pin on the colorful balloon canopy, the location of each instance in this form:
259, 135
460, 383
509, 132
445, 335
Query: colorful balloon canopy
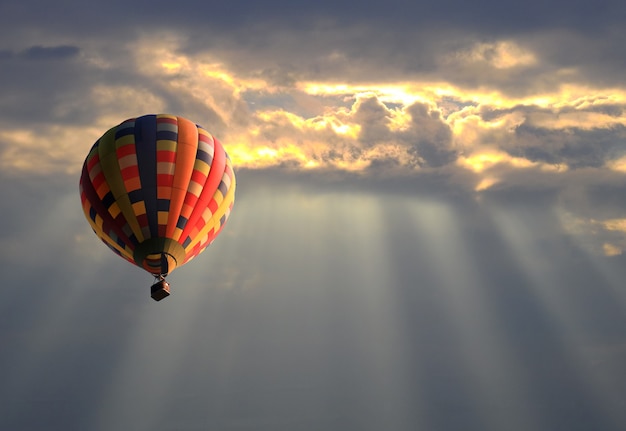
157, 190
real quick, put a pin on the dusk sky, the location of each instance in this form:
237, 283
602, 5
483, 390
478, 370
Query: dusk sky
429, 230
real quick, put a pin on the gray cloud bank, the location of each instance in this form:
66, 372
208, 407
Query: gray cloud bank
338, 40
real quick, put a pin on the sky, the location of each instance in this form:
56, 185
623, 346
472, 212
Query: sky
429, 231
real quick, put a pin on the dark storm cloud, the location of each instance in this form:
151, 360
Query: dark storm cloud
428, 136
489, 16
373, 117
42, 86
50, 52
36, 81
587, 133
293, 41
42, 52
573, 147
587, 105
426, 127
426, 139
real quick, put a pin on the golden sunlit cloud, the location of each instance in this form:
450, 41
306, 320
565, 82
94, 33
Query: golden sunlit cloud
403, 93
500, 55
266, 157
482, 161
354, 126
116, 103
614, 224
618, 164
335, 122
48, 150
604, 237
480, 138
611, 250
486, 183
575, 119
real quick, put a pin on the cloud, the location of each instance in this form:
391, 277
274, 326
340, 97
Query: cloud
50, 52
480, 127
573, 147
574, 134
284, 43
373, 119
45, 53
394, 129
37, 81
429, 136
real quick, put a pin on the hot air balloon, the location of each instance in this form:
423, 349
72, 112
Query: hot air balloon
157, 190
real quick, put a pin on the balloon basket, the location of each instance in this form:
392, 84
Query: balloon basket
160, 290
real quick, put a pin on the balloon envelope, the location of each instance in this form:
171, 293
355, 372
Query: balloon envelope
157, 189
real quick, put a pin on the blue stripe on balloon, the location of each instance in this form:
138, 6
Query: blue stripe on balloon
125, 129
223, 188
145, 144
163, 204
181, 222
135, 196
204, 156
166, 135
108, 200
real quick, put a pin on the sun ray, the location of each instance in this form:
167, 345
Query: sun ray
496, 373
551, 289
